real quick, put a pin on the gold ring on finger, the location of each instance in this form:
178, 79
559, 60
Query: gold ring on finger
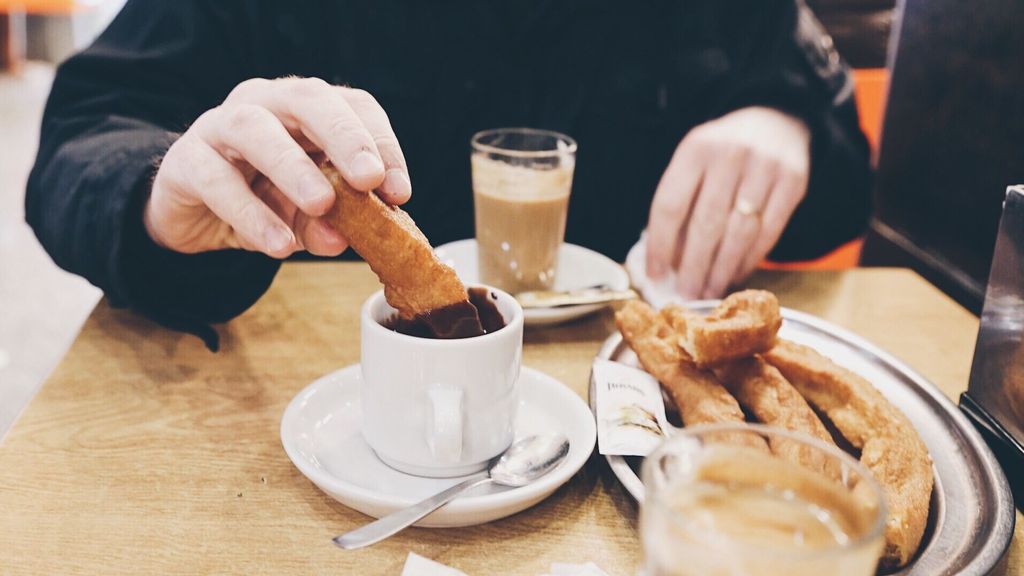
746, 208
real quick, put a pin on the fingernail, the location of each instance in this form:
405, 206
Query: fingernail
277, 239
366, 166
397, 184
314, 187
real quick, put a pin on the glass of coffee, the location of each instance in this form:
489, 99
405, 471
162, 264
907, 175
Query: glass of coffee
521, 183
758, 501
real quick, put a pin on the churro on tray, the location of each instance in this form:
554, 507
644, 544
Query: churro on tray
743, 324
890, 447
709, 362
698, 395
762, 390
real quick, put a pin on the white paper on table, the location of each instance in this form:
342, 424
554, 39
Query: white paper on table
630, 410
416, 565
564, 569
657, 293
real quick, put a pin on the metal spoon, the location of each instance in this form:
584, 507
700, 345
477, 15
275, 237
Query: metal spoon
560, 298
524, 462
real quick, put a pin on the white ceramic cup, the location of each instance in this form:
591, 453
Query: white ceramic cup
439, 408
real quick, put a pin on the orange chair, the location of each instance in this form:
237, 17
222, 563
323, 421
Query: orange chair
41, 6
870, 89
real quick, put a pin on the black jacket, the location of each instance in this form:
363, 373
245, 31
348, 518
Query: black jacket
627, 80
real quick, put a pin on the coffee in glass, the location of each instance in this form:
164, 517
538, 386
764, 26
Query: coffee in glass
522, 178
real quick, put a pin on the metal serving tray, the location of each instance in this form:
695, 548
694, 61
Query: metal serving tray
971, 519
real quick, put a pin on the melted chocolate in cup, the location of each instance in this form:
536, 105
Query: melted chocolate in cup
484, 301
474, 317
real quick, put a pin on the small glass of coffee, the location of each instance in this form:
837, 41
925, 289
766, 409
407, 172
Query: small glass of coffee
521, 183
758, 501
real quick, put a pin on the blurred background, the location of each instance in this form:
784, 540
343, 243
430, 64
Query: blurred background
41, 306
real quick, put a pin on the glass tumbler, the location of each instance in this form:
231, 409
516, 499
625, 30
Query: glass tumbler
751, 500
522, 178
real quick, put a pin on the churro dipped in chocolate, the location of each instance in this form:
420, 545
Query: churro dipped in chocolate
428, 295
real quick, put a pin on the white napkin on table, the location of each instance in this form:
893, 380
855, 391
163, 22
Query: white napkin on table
416, 565
563, 569
657, 293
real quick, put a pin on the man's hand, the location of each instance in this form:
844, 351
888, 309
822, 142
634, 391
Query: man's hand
725, 198
203, 195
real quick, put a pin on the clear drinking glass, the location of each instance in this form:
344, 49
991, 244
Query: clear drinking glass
522, 178
758, 501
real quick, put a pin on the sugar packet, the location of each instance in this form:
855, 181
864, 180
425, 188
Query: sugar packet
630, 410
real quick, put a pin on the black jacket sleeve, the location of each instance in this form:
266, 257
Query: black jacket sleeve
777, 54
114, 110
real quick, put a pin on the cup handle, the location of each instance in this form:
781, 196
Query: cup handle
444, 423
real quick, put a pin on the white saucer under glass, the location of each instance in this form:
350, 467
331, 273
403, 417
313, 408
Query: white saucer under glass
578, 267
321, 433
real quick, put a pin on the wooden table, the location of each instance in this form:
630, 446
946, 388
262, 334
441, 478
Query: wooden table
146, 454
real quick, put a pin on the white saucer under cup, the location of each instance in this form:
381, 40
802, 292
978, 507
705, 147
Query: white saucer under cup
578, 267
321, 432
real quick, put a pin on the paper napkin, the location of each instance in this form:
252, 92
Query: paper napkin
416, 565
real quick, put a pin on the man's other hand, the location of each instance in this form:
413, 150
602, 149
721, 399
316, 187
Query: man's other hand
725, 198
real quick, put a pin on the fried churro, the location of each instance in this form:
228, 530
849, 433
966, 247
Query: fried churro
743, 324
890, 446
771, 399
416, 282
698, 395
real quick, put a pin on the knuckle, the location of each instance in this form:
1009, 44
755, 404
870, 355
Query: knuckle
794, 181
173, 162
701, 135
306, 87
205, 119
247, 87
688, 144
365, 102
346, 127
795, 171
666, 206
210, 181
248, 217
703, 228
288, 160
187, 163
242, 117
771, 169
736, 153
388, 141
360, 95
